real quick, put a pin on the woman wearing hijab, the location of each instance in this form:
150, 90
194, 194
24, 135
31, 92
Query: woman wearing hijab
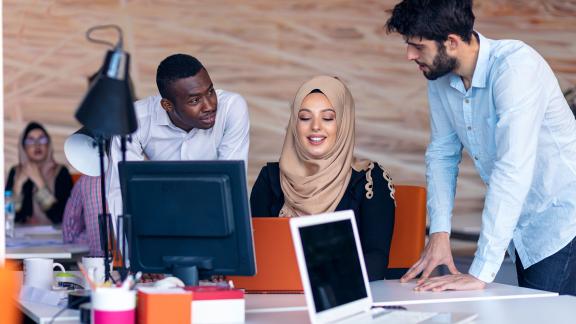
318, 172
40, 186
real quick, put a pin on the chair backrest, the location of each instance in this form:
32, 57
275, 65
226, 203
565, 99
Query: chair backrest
75, 177
9, 312
409, 228
276, 264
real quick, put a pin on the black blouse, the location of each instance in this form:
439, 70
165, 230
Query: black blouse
374, 217
62, 189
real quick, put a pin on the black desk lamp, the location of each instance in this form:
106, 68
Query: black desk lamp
108, 110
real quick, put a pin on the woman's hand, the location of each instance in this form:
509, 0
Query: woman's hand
33, 172
20, 179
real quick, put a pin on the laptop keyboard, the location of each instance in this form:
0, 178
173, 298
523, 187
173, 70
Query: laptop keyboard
401, 316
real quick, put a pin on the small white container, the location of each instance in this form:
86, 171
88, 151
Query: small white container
113, 305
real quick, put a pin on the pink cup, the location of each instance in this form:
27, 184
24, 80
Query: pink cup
113, 306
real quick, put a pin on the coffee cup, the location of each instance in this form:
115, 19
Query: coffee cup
69, 281
95, 269
39, 272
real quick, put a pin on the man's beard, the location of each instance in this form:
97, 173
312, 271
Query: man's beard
441, 65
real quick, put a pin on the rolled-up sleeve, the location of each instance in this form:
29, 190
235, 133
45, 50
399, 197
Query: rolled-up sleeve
443, 156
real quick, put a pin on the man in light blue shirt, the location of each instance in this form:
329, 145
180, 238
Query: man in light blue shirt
500, 101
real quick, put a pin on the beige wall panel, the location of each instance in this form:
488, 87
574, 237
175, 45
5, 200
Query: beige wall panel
263, 50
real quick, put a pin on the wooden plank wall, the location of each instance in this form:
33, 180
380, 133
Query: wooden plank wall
262, 49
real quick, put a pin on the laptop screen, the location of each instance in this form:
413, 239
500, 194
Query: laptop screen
333, 264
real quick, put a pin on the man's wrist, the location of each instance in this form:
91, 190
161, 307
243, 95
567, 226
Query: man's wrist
480, 280
441, 235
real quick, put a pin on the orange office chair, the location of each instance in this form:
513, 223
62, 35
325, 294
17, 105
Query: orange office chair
75, 177
9, 312
409, 229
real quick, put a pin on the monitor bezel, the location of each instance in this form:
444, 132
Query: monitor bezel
235, 169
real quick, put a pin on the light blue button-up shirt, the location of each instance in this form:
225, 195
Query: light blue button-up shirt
517, 127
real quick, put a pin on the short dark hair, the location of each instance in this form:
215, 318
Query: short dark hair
432, 19
175, 67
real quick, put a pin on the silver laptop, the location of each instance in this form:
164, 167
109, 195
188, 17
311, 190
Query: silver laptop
334, 276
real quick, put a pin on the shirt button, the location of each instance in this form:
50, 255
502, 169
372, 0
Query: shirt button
476, 158
469, 127
467, 101
493, 274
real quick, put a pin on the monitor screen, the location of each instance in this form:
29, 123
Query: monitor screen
333, 264
188, 214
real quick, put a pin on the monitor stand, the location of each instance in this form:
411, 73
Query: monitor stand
187, 268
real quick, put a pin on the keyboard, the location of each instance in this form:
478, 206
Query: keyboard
400, 316
381, 316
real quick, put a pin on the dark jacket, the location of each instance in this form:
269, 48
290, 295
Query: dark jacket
374, 217
62, 189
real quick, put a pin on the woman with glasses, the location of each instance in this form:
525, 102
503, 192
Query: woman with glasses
39, 185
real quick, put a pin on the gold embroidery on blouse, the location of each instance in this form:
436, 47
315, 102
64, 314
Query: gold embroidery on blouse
388, 178
369, 183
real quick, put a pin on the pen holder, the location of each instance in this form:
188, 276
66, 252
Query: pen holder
113, 305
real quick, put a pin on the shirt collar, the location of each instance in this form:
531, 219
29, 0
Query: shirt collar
162, 116
480, 71
162, 119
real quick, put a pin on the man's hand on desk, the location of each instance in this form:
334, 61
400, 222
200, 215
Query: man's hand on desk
437, 252
451, 282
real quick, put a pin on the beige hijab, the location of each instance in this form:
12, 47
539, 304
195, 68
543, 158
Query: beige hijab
49, 169
313, 186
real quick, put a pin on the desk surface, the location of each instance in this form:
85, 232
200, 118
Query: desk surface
392, 292
289, 308
558, 310
60, 252
42, 313
41, 242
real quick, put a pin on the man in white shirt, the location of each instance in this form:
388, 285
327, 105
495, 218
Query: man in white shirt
189, 120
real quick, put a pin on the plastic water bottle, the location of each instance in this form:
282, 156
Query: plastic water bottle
9, 213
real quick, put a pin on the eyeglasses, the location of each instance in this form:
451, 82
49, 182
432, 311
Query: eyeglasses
39, 141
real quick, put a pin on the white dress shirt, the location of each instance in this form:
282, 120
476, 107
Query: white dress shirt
157, 138
517, 127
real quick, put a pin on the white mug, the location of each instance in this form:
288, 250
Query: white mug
39, 272
95, 268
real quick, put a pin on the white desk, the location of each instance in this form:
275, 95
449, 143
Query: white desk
392, 292
289, 308
42, 242
60, 252
553, 310
42, 313
557, 310
538, 310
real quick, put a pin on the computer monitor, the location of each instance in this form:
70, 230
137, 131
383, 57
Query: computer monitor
188, 218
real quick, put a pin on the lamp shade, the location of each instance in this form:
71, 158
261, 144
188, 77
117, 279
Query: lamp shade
108, 108
82, 152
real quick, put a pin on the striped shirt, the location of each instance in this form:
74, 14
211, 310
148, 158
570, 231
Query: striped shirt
80, 223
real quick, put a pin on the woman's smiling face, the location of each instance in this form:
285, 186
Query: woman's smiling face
316, 127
